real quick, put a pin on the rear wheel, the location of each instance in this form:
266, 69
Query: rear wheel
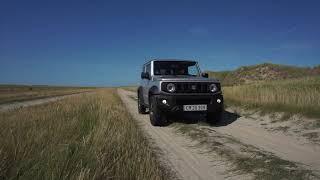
156, 117
141, 108
214, 117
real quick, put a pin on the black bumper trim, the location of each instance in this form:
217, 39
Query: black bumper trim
175, 102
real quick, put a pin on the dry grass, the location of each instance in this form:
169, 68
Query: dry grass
12, 93
292, 96
263, 72
90, 136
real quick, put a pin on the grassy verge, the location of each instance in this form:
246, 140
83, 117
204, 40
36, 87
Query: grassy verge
11, 93
90, 136
244, 159
295, 96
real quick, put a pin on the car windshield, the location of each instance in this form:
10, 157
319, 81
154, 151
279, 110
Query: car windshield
188, 68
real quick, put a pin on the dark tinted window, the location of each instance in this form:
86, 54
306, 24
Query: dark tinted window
175, 68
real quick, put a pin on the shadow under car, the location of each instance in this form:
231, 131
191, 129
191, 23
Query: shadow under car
193, 118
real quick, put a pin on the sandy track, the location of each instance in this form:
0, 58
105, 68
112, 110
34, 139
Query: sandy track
190, 164
15, 105
286, 147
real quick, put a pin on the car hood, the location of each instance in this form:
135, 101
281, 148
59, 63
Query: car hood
185, 78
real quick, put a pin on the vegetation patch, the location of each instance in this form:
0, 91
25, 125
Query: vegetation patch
312, 135
90, 136
295, 96
282, 128
263, 72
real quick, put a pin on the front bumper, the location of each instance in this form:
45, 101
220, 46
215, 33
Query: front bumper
174, 103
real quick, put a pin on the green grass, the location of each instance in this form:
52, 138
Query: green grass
90, 136
294, 96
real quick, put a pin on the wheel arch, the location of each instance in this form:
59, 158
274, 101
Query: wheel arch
154, 90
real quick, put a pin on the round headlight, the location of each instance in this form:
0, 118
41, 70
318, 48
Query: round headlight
213, 88
171, 87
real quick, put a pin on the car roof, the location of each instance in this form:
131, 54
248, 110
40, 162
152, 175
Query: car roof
168, 60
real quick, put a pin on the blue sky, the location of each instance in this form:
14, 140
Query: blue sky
104, 43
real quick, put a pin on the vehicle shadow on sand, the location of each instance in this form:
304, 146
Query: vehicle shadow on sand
190, 118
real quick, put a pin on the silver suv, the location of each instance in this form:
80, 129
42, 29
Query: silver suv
172, 86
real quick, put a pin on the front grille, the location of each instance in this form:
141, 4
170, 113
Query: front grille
189, 87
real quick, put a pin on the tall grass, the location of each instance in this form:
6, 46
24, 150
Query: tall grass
294, 96
85, 137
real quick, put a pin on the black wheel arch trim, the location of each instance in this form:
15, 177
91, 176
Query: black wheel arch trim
154, 90
139, 89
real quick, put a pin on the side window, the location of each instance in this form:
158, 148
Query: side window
144, 68
149, 68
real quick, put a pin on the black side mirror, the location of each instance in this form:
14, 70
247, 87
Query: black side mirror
145, 75
205, 75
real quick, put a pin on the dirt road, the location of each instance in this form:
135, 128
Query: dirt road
190, 163
187, 162
248, 131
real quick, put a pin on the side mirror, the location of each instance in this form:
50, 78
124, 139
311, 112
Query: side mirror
145, 75
205, 75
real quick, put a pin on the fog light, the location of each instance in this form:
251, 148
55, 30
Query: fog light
218, 100
164, 101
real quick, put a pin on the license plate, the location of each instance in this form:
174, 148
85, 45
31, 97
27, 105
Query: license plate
198, 107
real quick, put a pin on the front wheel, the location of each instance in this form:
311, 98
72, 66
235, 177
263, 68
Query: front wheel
141, 108
156, 117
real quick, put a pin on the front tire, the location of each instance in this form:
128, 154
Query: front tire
156, 117
141, 108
